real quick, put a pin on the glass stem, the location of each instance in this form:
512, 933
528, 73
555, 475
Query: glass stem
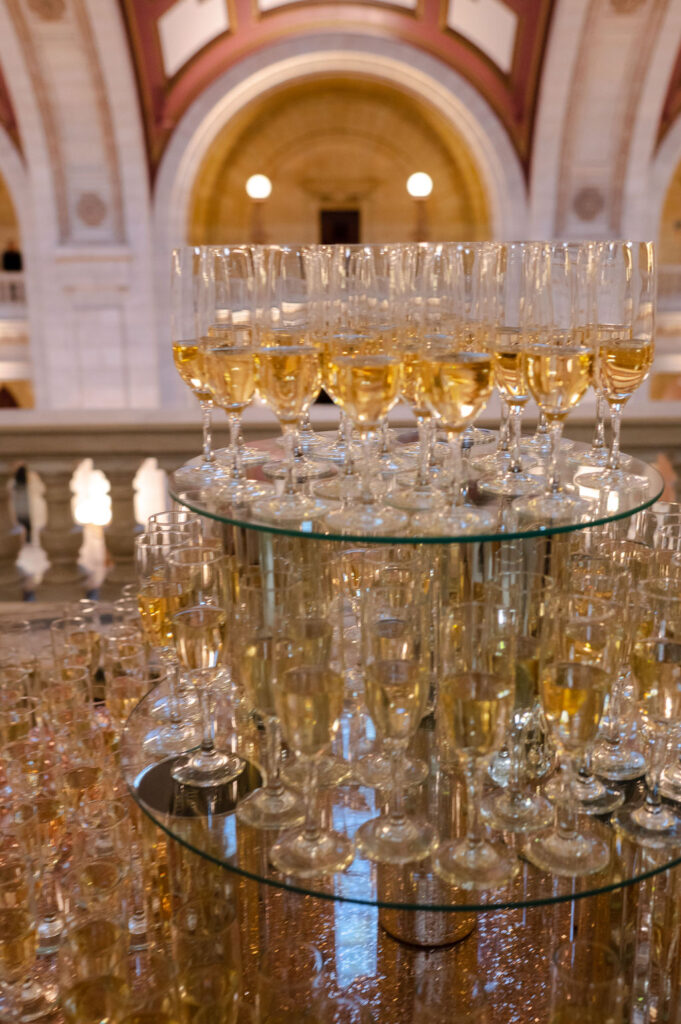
173, 668
552, 475
566, 809
598, 442
311, 830
397, 754
273, 785
234, 446
206, 411
207, 723
515, 416
423, 427
292, 449
614, 459
504, 425
365, 467
346, 426
455, 464
657, 757
473, 801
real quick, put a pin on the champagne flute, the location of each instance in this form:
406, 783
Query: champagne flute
475, 700
587, 986
198, 635
190, 283
625, 300
397, 683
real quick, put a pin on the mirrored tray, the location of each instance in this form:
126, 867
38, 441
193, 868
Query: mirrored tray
645, 485
205, 821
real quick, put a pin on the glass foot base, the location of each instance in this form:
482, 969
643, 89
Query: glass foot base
418, 499
568, 857
395, 842
618, 764
289, 508
303, 471
455, 521
551, 509
173, 739
592, 796
611, 480
342, 487
239, 492
208, 770
593, 457
655, 828
517, 813
331, 771
375, 771
261, 809
670, 783
512, 485
367, 519
479, 865
247, 456
303, 857
199, 474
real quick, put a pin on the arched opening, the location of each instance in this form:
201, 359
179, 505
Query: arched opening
338, 151
16, 388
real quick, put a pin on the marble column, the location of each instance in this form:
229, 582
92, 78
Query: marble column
121, 532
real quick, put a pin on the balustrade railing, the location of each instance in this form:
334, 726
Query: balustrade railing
53, 450
12, 287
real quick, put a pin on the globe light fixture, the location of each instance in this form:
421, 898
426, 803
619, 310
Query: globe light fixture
419, 185
258, 187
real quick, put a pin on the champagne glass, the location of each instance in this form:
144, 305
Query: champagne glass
289, 375
259, 649
308, 697
206, 950
229, 360
462, 1001
625, 302
397, 683
573, 695
512, 279
587, 985
558, 362
656, 661
475, 700
190, 280
198, 635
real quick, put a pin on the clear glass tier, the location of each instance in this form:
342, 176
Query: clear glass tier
643, 486
205, 822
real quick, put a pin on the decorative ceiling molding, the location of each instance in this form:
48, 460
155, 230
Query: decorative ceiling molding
512, 95
7, 116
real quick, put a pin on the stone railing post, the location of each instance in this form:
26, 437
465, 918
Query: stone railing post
61, 537
11, 540
121, 532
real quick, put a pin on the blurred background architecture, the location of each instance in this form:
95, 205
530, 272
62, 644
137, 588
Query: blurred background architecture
131, 126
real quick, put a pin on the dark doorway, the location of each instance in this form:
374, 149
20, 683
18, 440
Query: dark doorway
7, 399
339, 227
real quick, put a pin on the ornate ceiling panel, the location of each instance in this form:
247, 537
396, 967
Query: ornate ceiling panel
7, 118
180, 46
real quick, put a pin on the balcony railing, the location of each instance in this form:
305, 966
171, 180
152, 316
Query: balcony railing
12, 288
52, 448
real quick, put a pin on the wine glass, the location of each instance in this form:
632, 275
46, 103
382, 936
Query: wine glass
258, 648
191, 271
475, 700
397, 684
625, 303
198, 635
587, 984
558, 361
229, 358
512, 279
573, 695
289, 375
308, 698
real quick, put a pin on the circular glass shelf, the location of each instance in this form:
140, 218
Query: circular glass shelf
643, 486
204, 821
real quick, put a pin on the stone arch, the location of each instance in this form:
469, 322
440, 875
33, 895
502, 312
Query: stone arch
395, 62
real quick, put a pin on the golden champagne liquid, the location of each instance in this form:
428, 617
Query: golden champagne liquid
98, 879
188, 363
623, 365
331, 351
289, 379
412, 383
367, 387
572, 697
98, 944
122, 697
78, 780
209, 993
152, 606
51, 827
309, 702
95, 999
656, 664
198, 634
257, 673
391, 638
17, 944
230, 375
396, 696
458, 385
474, 710
509, 369
149, 1017
557, 377
312, 639
526, 672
